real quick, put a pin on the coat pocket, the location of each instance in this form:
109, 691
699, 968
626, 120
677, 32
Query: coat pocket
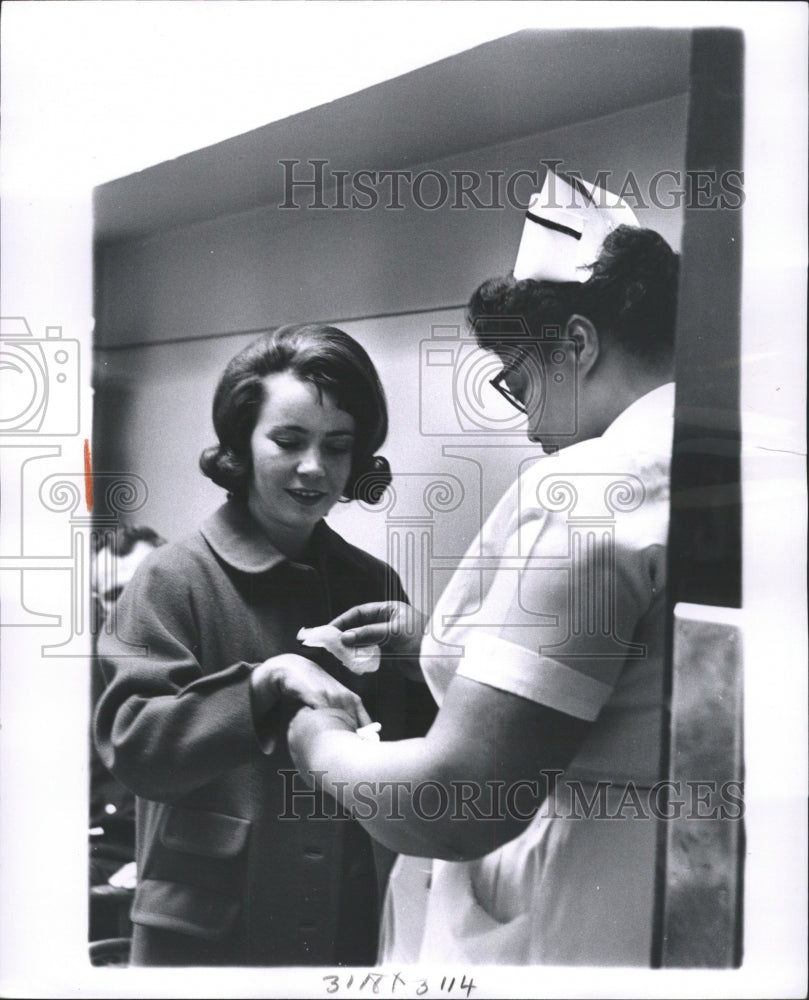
184, 909
208, 834
192, 871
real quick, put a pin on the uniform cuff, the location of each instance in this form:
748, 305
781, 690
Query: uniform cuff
505, 665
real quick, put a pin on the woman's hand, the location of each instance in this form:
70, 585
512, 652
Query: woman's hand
294, 677
395, 626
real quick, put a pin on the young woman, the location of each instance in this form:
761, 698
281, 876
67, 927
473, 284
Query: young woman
239, 862
548, 730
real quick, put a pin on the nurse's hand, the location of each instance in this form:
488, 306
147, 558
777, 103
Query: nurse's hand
395, 626
305, 731
295, 678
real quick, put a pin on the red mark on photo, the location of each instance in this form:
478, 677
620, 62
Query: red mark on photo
88, 476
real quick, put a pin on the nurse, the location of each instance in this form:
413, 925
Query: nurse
531, 792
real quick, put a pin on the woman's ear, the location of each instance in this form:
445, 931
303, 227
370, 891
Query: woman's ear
584, 335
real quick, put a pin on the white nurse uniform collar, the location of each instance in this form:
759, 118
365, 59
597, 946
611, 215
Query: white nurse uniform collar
566, 223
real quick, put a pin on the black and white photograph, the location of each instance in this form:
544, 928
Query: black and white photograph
403, 542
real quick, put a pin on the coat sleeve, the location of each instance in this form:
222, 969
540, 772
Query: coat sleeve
409, 705
164, 726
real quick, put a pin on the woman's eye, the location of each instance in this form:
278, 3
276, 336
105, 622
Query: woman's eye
338, 449
287, 444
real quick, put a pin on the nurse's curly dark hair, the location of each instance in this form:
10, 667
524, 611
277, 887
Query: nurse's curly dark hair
630, 297
329, 359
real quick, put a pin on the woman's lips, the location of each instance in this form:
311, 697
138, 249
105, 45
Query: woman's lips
308, 498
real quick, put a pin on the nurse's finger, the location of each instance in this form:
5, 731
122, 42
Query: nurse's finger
367, 635
377, 612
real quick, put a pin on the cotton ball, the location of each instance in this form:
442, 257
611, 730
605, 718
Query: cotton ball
358, 659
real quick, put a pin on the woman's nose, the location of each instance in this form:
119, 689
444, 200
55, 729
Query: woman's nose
311, 463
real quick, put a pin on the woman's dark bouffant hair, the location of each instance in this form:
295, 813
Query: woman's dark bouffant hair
329, 359
630, 297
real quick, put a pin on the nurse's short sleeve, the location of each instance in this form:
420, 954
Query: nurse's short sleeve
558, 617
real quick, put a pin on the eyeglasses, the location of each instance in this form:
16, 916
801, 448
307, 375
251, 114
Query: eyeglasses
499, 381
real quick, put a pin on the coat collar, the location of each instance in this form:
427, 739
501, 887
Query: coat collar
237, 538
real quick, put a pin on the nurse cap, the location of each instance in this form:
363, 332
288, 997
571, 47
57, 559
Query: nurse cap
566, 223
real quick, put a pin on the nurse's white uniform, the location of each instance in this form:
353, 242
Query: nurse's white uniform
571, 889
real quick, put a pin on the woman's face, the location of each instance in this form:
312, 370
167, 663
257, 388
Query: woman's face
302, 448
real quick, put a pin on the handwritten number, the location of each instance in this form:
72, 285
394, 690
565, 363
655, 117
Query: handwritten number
422, 987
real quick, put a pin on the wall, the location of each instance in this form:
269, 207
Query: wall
174, 307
